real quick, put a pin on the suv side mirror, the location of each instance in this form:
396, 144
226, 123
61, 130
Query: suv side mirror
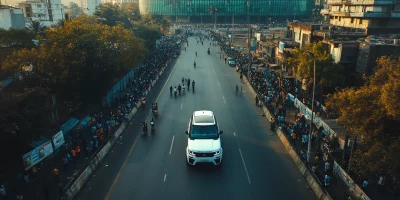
186, 132
220, 132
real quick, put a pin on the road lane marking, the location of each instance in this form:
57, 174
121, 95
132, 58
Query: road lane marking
234, 134
165, 177
172, 144
245, 168
136, 139
224, 99
219, 84
181, 105
120, 170
173, 69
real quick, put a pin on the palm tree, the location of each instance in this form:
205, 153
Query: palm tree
36, 27
213, 11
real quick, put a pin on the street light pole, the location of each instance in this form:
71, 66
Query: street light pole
215, 19
312, 116
249, 35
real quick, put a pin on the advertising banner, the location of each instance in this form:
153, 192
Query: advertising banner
58, 139
281, 47
36, 155
291, 97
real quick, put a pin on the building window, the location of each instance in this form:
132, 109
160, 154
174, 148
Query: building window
352, 20
361, 21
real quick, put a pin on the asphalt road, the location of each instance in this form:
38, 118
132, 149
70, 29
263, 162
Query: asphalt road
255, 163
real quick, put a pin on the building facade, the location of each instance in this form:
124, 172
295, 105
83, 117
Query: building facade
47, 12
286, 9
11, 17
375, 16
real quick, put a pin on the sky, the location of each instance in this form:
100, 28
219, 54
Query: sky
15, 2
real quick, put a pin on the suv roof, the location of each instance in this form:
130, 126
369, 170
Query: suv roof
203, 117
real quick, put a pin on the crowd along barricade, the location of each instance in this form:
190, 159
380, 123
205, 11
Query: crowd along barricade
304, 170
73, 189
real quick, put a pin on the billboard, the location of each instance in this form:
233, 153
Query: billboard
58, 139
281, 47
36, 155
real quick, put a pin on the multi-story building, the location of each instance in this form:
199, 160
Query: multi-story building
374, 16
47, 12
11, 17
261, 10
373, 48
91, 6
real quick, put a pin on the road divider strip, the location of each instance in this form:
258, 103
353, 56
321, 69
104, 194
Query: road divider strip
312, 181
73, 191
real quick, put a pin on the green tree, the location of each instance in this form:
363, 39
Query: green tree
94, 56
111, 14
371, 114
36, 27
75, 10
328, 74
148, 34
131, 11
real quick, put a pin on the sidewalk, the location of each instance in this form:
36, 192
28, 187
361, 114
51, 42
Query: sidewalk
287, 118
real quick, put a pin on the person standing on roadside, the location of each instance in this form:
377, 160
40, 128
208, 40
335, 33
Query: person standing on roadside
56, 174
78, 151
73, 154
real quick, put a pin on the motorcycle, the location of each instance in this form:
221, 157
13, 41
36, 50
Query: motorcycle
153, 127
144, 129
155, 112
208, 52
176, 93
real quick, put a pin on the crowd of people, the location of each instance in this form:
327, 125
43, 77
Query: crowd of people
104, 123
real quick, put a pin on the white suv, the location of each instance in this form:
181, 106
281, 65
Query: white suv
204, 142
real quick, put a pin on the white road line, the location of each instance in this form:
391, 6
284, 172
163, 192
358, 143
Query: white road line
234, 134
245, 168
165, 177
224, 99
219, 84
181, 105
172, 144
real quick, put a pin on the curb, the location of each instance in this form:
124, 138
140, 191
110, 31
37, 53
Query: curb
76, 187
318, 190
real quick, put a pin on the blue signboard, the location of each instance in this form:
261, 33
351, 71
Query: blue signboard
253, 48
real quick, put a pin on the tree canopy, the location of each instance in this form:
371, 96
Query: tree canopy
328, 74
371, 114
83, 57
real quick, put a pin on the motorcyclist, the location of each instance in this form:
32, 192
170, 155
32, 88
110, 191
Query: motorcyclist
196, 53
183, 87
179, 88
154, 107
144, 127
188, 83
193, 84
152, 124
183, 80
194, 63
170, 90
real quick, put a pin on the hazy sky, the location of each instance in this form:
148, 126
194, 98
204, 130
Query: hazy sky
15, 2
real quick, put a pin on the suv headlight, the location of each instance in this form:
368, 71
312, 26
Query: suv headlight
217, 153
191, 153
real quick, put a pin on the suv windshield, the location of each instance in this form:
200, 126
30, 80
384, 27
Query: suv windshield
204, 132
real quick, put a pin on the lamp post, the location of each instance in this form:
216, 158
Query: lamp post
312, 112
215, 19
249, 35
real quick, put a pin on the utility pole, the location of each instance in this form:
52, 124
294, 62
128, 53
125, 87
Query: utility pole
233, 28
249, 35
312, 115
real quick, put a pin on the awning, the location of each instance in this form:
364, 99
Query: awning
69, 125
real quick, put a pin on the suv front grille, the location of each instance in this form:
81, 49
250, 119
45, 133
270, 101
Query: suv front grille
205, 154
